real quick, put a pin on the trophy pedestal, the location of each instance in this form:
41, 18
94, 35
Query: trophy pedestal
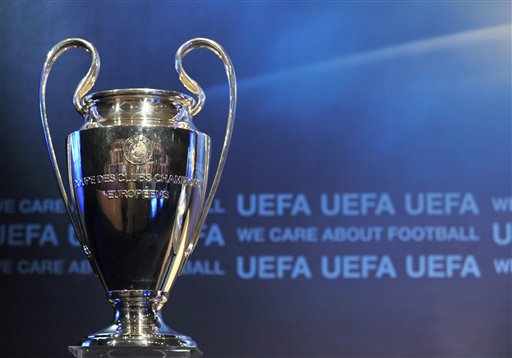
133, 352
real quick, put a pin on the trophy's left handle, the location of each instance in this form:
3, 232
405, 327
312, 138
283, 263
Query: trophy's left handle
194, 87
81, 91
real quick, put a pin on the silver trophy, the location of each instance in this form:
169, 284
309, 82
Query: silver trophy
138, 171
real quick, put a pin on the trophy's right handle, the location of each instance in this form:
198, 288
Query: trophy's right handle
82, 89
194, 87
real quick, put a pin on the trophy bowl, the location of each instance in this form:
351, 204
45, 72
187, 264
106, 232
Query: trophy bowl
138, 172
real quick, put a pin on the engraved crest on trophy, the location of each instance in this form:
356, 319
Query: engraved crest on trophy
137, 149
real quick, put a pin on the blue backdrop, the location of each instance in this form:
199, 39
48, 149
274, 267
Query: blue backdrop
365, 210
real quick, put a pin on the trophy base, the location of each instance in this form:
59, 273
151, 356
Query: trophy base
164, 338
133, 352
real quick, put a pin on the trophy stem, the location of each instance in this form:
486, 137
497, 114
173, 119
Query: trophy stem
137, 312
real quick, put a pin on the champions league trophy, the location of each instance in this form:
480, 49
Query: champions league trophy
138, 171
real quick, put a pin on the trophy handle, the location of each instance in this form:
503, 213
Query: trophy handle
78, 100
194, 87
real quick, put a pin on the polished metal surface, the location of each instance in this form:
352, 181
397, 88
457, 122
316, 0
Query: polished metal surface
138, 172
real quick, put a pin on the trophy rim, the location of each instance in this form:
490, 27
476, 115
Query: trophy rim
177, 98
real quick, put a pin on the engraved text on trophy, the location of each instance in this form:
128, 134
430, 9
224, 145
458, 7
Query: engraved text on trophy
136, 168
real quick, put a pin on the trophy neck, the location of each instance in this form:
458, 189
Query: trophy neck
141, 298
139, 106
